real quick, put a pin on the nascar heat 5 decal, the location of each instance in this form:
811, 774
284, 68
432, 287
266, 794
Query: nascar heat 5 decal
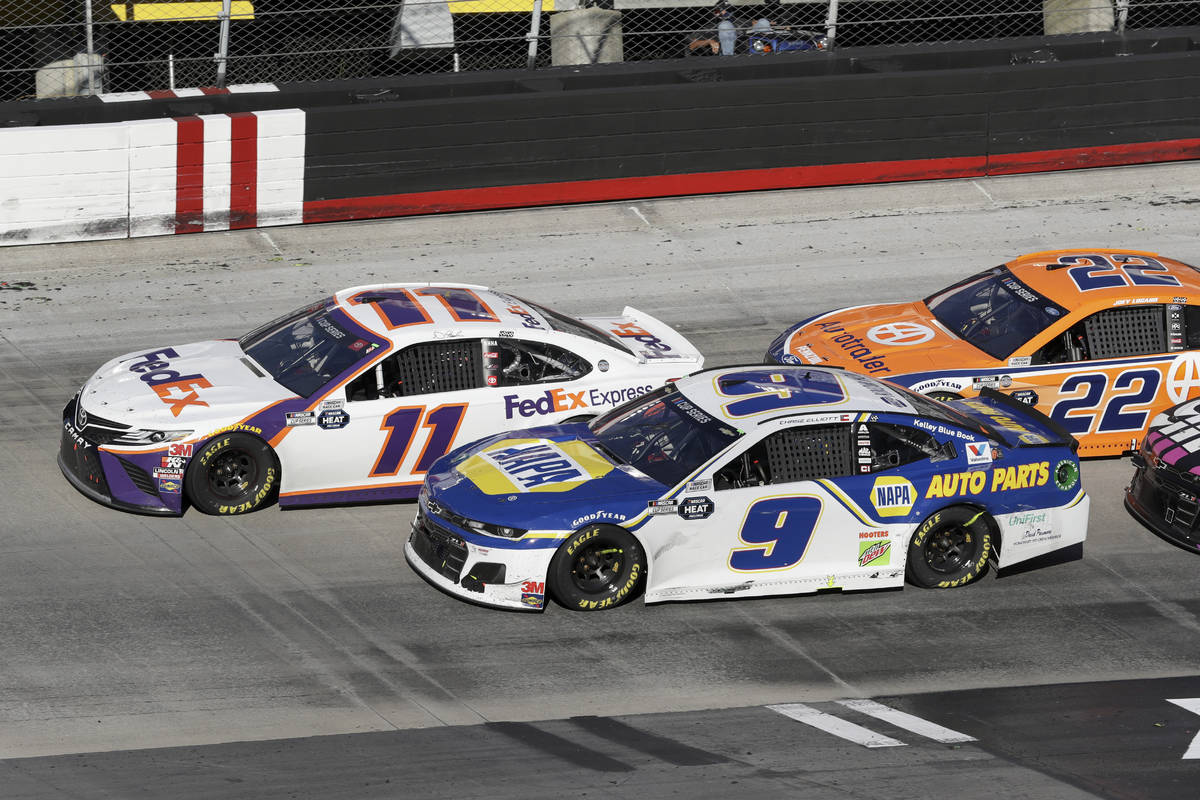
750, 481
353, 398
1098, 340
1164, 494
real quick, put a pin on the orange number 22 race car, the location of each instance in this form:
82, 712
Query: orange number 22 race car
1098, 340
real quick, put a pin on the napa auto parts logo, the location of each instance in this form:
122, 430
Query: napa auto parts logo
652, 346
176, 390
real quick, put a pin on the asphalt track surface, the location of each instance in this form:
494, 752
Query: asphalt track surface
295, 654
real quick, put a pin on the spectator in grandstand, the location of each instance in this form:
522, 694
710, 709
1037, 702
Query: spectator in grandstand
722, 41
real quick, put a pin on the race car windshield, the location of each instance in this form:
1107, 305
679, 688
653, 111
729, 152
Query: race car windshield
994, 311
304, 350
664, 435
565, 324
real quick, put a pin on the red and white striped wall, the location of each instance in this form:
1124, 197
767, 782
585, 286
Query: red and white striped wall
208, 172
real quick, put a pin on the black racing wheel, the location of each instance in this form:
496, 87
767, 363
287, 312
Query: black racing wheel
598, 567
235, 473
950, 548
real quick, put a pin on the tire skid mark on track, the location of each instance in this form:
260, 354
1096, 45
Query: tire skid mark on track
785, 641
557, 746
660, 747
1171, 611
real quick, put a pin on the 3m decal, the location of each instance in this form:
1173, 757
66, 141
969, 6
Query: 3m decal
1098, 272
776, 532
177, 449
177, 391
893, 496
401, 424
900, 334
774, 391
1086, 396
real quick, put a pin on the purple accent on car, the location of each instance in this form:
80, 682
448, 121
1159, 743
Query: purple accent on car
373, 494
397, 306
464, 304
123, 490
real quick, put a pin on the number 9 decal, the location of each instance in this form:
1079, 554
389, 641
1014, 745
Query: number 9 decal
777, 531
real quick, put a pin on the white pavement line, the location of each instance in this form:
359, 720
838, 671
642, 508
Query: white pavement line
986, 193
835, 725
638, 211
1191, 704
908, 722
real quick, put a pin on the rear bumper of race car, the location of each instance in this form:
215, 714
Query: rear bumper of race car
496, 573
1166, 503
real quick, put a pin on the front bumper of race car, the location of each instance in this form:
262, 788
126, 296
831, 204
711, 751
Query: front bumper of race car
111, 480
480, 569
1166, 502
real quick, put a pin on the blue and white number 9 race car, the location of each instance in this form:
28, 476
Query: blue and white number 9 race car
745, 482
350, 399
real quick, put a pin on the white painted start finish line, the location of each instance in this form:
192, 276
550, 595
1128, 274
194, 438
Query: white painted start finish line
835, 725
1191, 704
906, 721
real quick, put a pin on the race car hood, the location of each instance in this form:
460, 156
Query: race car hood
649, 339
189, 386
881, 340
547, 478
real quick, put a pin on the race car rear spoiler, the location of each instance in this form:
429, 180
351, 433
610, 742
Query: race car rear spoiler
1019, 424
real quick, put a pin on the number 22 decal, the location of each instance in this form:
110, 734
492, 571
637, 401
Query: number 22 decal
1097, 272
778, 530
1115, 418
401, 426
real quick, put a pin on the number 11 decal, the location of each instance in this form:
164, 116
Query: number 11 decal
401, 426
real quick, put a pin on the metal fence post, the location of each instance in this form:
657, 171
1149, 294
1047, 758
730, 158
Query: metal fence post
831, 24
223, 47
535, 27
1122, 14
91, 45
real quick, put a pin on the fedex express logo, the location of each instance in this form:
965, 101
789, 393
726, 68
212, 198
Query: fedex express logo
654, 347
553, 401
172, 388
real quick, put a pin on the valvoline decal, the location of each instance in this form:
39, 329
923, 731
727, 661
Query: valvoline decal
176, 390
652, 346
533, 465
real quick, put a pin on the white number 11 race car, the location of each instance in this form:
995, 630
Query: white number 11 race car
350, 399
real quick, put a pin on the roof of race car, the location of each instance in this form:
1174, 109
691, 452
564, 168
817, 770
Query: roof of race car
1050, 274
403, 310
753, 394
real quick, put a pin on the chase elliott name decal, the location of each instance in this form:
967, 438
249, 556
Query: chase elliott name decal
533, 465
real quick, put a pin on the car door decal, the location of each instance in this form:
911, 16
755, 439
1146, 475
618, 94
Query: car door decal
777, 532
1097, 272
401, 425
1092, 403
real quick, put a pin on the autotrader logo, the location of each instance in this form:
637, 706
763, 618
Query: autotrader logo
900, 334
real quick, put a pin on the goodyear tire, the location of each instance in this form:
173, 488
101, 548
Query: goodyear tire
600, 566
950, 548
235, 473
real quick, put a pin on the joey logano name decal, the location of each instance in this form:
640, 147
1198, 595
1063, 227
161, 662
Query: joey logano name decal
554, 400
533, 465
176, 390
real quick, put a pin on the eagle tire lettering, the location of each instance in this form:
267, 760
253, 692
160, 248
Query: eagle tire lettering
596, 568
950, 548
233, 474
